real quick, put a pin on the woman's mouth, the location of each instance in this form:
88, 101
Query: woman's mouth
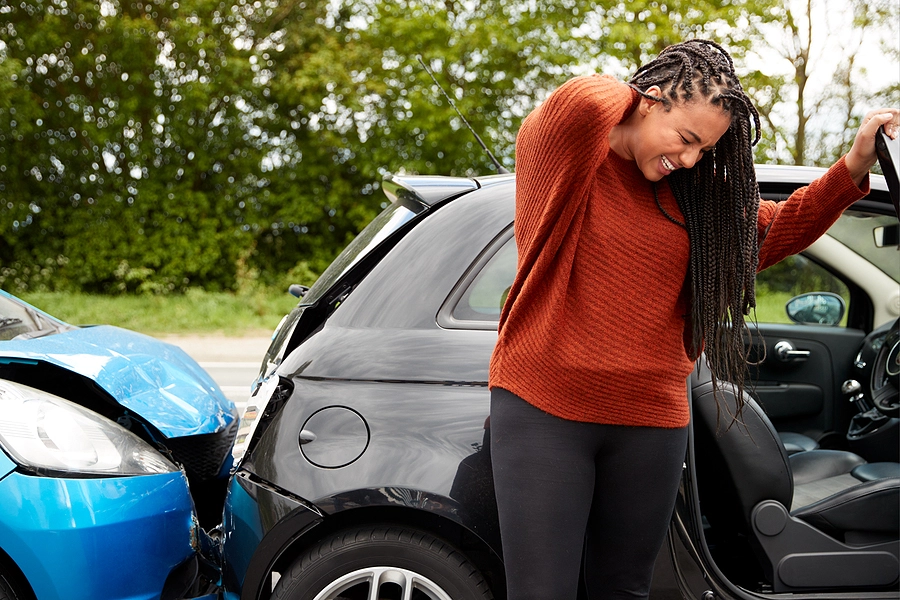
669, 166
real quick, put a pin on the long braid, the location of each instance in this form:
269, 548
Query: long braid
719, 198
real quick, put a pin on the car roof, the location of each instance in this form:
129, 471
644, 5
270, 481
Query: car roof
427, 190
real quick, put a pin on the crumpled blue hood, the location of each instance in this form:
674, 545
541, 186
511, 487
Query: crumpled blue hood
153, 379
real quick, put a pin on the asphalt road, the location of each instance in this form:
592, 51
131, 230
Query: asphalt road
233, 362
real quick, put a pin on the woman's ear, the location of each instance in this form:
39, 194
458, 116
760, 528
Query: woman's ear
647, 104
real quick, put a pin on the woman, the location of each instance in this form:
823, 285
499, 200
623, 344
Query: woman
640, 231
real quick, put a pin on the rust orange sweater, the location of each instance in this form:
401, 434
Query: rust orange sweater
593, 328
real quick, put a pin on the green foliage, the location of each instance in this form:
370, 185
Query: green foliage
120, 138
791, 277
350, 100
816, 125
150, 147
797, 275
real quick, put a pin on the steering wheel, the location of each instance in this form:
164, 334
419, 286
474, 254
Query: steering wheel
886, 372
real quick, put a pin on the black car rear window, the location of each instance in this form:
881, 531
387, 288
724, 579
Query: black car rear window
388, 221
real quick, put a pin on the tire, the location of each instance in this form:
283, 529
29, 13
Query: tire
405, 562
6, 589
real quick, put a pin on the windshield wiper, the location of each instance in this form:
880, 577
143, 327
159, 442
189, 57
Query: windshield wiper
7, 321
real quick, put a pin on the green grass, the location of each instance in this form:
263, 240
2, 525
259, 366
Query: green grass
194, 312
231, 314
770, 307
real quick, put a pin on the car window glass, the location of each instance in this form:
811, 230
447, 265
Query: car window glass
855, 229
791, 277
798, 275
387, 222
485, 295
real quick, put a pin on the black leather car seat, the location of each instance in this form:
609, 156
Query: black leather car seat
797, 442
838, 528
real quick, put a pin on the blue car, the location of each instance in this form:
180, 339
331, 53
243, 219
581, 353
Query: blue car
114, 453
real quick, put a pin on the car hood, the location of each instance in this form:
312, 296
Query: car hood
153, 379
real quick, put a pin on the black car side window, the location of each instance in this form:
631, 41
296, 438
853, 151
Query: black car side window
484, 297
851, 242
477, 301
791, 277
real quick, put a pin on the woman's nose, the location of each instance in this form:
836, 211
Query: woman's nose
690, 157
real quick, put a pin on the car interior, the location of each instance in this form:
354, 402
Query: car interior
817, 519
780, 514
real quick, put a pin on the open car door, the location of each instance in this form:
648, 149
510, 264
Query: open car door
889, 158
812, 368
827, 376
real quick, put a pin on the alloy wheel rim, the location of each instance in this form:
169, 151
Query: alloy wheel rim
385, 580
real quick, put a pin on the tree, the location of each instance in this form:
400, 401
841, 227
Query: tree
852, 91
153, 145
345, 85
816, 126
126, 146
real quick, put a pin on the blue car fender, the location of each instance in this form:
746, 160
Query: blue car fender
6, 466
96, 538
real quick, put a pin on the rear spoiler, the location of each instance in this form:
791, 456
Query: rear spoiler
419, 192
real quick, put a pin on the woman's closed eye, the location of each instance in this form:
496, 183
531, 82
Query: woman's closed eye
688, 142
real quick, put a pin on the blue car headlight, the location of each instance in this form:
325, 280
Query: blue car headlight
253, 411
50, 435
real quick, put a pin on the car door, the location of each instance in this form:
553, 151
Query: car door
801, 366
797, 369
804, 360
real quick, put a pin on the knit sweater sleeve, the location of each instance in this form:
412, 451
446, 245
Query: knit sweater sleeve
789, 227
558, 149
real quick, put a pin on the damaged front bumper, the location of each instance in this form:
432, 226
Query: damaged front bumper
112, 538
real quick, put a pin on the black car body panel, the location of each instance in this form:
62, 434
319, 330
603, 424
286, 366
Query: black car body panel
279, 520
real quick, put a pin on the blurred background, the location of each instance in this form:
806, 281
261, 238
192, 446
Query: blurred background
174, 166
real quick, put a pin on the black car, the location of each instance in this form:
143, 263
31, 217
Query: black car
364, 464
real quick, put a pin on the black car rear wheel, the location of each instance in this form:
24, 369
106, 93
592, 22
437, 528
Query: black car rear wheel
400, 563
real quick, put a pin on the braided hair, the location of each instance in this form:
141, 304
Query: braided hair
719, 199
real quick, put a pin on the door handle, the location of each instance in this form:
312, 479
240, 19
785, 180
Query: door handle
785, 352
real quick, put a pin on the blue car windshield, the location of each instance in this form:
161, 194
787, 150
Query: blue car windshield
20, 319
388, 221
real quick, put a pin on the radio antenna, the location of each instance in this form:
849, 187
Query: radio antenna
494, 160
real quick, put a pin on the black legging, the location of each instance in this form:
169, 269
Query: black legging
567, 489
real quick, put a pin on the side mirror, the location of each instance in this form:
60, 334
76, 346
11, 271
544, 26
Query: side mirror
816, 308
297, 290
